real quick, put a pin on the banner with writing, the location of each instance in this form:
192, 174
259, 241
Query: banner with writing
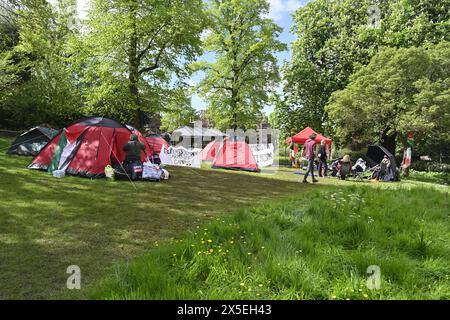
263, 154
180, 156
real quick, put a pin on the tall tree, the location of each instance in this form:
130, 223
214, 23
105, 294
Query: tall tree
45, 89
336, 37
245, 72
133, 51
399, 90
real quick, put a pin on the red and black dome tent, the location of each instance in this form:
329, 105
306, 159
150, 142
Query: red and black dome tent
87, 146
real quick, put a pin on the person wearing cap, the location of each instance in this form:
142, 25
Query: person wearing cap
310, 154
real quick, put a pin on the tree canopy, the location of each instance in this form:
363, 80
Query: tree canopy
335, 38
400, 90
239, 82
144, 44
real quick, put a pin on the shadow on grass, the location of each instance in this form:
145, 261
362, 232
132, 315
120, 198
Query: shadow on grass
47, 224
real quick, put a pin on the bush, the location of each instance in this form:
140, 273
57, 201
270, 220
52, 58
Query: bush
430, 166
434, 177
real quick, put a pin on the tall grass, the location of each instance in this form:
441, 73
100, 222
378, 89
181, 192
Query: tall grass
316, 246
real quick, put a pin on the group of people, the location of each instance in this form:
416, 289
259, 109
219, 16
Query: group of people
341, 167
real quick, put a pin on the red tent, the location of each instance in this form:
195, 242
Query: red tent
303, 135
86, 147
210, 150
156, 143
235, 155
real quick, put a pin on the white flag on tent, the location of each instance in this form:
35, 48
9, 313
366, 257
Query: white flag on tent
180, 156
263, 154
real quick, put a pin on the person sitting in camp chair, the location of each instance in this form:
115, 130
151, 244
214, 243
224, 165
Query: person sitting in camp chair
358, 169
383, 169
335, 166
344, 167
133, 149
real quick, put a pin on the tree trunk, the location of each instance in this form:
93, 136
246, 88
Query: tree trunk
133, 71
233, 108
389, 141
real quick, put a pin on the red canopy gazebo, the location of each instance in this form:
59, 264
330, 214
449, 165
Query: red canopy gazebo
303, 135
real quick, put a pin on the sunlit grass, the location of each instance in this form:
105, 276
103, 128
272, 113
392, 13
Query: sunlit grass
47, 224
315, 246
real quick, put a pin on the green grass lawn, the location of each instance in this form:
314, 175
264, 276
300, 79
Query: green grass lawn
317, 245
271, 236
47, 224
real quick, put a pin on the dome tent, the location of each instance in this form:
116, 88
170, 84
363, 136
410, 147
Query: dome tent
156, 142
209, 152
236, 155
87, 146
32, 141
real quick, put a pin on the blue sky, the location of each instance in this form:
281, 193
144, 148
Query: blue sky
281, 12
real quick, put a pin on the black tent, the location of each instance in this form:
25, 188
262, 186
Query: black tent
376, 153
32, 141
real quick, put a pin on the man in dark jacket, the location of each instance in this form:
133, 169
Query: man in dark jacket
133, 149
310, 150
322, 155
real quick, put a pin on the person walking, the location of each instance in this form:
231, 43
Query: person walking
322, 155
310, 154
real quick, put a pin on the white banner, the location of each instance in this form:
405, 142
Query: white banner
263, 154
180, 156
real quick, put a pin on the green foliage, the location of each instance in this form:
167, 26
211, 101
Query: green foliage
336, 38
430, 166
40, 83
178, 113
399, 90
430, 176
238, 84
131, 52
